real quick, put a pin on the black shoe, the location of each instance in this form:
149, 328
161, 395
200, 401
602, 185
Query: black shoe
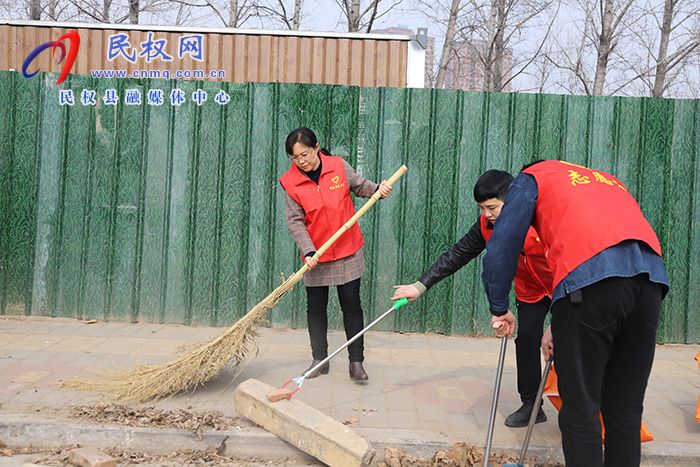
321, 371
521, 417
357, 372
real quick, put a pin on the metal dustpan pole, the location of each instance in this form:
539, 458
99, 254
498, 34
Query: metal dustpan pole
397, 304
535, 410
494, 403
533, 415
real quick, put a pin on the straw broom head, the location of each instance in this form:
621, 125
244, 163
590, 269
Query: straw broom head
196, 364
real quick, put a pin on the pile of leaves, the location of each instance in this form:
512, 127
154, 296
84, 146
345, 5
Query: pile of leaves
461, 455
156, 418
210, 457
187, 457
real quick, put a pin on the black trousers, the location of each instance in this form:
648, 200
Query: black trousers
531, 318
317, 303
604, 342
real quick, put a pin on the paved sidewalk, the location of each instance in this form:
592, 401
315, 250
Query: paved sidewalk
426, 391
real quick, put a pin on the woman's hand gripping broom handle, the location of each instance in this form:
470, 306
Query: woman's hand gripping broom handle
402, 170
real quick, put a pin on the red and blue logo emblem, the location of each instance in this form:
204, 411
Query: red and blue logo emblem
70, 57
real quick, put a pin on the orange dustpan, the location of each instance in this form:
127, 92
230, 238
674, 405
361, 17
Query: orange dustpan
697, 411
551, 390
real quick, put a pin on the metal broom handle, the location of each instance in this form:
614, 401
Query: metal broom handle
494, 403
397, 304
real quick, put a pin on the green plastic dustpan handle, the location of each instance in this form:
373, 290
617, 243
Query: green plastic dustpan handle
400, 302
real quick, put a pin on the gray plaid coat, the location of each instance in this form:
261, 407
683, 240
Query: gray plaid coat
336, 272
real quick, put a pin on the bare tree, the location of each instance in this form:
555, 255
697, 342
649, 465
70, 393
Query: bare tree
229, 13
480, 37
642, 47
667, 41
525, 24
277, 12
109, 11
604, 27
448, 45
359, 18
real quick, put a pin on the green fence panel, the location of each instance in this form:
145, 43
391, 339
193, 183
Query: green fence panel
235, 206
445, 134
48, 226
549, 127
183, 131
22, 182
627, 141
155, 196
419, 154
677, 247
377, 159
692, 310
140, 207
8, 101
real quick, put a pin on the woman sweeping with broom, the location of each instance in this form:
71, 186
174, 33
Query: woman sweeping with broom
317, 201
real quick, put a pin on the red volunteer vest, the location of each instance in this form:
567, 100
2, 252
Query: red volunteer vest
569, 218
533, 279
327, 206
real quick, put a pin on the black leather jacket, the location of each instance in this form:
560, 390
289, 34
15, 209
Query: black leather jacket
456, 256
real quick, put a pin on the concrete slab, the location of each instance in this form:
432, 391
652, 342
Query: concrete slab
303, 426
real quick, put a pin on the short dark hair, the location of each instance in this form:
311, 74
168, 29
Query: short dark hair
492, 184
301, 135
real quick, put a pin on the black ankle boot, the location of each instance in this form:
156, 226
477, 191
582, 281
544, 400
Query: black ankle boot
357, 372
320, 371
521, 417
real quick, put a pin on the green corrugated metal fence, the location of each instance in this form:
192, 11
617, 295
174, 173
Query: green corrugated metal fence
173, 213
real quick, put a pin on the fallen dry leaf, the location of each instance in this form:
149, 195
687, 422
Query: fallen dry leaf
351, 420
155, 418
6, 452
461, 455
90, 321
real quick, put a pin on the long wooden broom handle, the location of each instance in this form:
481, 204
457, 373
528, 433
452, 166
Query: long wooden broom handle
402, 170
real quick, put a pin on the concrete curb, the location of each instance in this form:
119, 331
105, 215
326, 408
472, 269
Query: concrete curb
18, 431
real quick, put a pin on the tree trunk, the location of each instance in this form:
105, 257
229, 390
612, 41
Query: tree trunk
448, 45
106, 6
134, 11
661, 65
354, 16
373, 16
488, 59
233, 17
35, 10
297, 15
605, 40
497, 74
